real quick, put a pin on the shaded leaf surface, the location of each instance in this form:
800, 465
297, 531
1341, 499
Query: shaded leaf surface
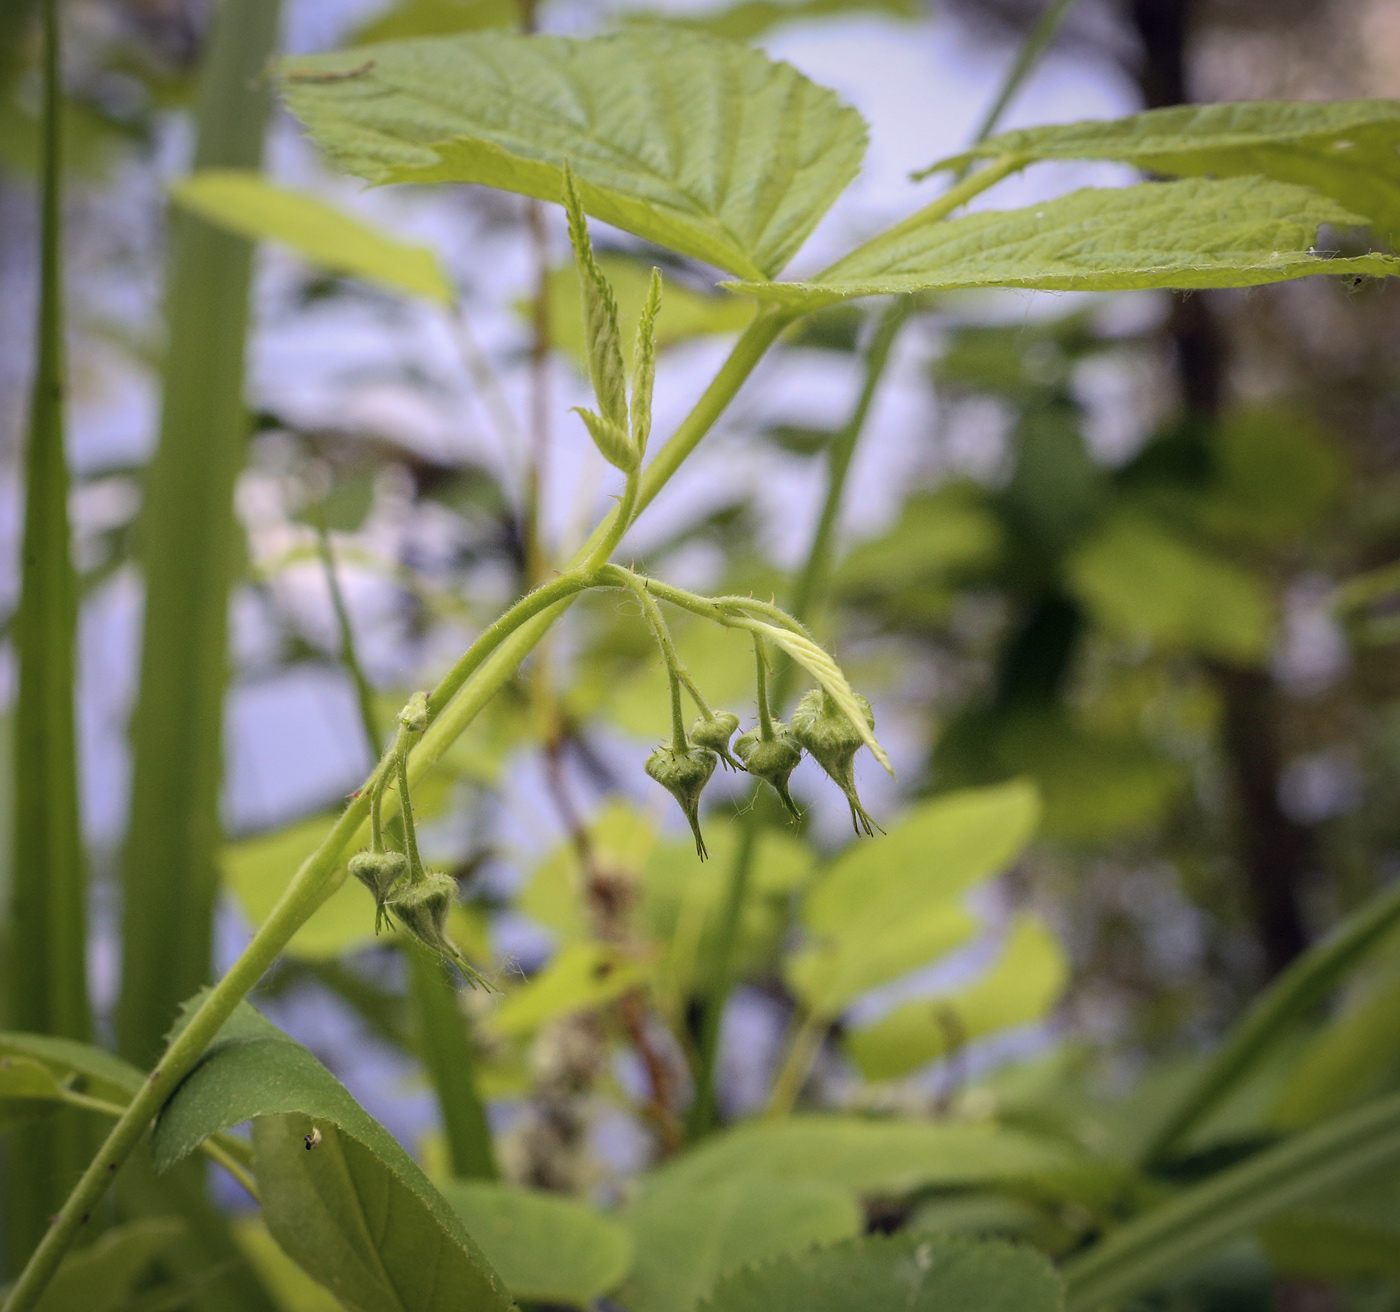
687, 1237
898, 1273
1344, 148
356, 1212
97, 1072
546, 1248
869, 1156
1235, 232
701, 145
101, 1278
246, 203
379, 1237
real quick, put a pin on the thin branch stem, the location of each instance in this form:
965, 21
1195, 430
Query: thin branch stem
410, 830
765, 718
803, 1045
364, 693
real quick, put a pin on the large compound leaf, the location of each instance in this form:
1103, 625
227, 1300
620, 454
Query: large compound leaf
355, 1210
687, 1238
546, 1248
697, 144
1345, 148
1023, 985
896, 1273
244, 202
883, 1157
1235, 232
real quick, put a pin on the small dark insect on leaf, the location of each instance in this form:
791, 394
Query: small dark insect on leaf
312, 1139
602, 970
339, 76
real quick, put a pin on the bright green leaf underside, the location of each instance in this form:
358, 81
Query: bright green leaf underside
1236, 232
697, 144
246, 203
1346, 149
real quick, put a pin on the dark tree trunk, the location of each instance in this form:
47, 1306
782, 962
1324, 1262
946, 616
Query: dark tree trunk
1276, 853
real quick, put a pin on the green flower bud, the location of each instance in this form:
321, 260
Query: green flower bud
423, 908
414, 716
773, 759
379, 872
715, 734
684, 775
822, 728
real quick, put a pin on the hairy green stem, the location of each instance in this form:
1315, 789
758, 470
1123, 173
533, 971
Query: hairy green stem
489, 663
765, 717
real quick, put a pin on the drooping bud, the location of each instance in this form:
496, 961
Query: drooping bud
684, 775
414, 716
423, 908
715, 733
773, 759
827, 733
379, 872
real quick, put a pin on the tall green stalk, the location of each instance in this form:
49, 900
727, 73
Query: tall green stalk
188, 547
48, 986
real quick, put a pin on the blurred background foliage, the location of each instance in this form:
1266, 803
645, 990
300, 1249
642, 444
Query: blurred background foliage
1113, 571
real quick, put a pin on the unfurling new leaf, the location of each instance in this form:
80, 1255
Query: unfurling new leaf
605, 367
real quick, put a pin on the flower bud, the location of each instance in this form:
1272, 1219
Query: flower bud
773, 759
823, 729
423, 908
715, 734
684, 775
414, 716
379, 872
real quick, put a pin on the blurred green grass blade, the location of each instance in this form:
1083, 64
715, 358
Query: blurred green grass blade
1142, 1253
48, 986
445, 1045
188, 539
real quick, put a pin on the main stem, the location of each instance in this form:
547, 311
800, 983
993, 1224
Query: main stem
492, 659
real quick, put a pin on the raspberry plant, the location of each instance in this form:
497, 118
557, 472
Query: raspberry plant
714, 152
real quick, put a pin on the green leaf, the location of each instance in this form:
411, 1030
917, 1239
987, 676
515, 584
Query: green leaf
372, 1231
1236, 232
292, 1289
546, 1248
685, 313
644, 363
1353, 1232
28, 1090
1349, 1060
1145, 583
687, 1237
870, 1156
581, 976
103, 1277
1344, 148
89, 1069
355, 1211
258, 869
190, 542
700, 145
886, 908
1274, 1013
244, 202
908, 1272
1138, 1255
1022, 986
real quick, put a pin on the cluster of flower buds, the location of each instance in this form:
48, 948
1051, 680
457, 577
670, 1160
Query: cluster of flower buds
420, 900
770, 751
